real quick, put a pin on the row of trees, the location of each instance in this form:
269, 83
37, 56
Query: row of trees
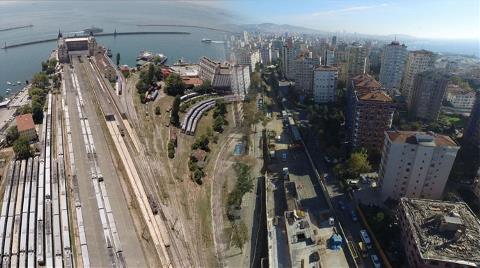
219, 116
243, 185
48, 67
174, 85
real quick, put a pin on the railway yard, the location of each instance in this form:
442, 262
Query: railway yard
100, 190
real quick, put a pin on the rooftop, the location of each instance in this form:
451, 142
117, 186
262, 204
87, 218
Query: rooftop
326, 68
421, 138
369, 89
444, 231
24, 122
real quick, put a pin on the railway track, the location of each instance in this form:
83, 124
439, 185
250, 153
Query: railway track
34, 229
174, 247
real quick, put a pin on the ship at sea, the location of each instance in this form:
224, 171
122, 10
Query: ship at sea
206, 40
147, 56
92, 29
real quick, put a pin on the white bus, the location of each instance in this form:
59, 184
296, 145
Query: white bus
365, 238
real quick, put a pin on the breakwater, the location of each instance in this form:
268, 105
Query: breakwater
16, 27
186, 26
7, 46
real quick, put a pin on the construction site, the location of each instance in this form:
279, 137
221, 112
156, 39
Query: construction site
439, 233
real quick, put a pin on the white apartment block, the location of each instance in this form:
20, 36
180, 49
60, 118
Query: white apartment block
415, 164
304, 67
325, 84
240, 80
392, 66
460, 98
254, 59
417, 62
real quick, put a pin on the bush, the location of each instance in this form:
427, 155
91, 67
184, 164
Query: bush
201, 143
157, 110
12, 134
171, 149
22, 149
174, 85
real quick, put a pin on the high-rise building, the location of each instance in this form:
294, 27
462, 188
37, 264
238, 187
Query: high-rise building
288, 57
304, 67
392, 66
439, 233
415, 164
329, 58
325, 84
240, 79
334, 40
417, 62
357, 60
208, 68
264, 55
369, 113
427, 94
255, 58
471, 135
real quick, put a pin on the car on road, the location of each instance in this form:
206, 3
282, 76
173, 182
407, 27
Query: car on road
375, 261
342, 205
354, 215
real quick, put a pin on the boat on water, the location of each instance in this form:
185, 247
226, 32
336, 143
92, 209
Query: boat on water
206, 40
19, 83
92, 29
147, 56
8, 90
9, 83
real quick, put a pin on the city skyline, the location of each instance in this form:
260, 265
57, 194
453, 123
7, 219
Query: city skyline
421, 19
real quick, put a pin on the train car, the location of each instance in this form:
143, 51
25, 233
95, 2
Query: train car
5, 204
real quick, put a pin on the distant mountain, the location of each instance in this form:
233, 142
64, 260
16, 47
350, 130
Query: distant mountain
272, 28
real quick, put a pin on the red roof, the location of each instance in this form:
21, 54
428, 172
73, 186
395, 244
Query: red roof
24, 122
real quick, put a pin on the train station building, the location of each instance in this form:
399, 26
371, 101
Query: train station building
75, 46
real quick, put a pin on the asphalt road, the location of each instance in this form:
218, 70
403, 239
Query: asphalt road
351, 228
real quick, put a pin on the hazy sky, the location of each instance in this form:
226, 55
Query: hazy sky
445, 19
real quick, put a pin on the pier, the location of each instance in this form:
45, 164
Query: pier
5, 46
186, 26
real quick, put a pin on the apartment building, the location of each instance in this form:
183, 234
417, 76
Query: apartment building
418, 61
427, 94
325, 84
304, 67
415, 164
392, 66
369, 112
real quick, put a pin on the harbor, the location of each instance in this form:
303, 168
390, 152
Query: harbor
5, 46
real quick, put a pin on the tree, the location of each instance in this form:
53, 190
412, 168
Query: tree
218, 124
12, 134
40, 80
205, 87
174, 85
150, 74
25, 109
174, 118
37, 112
118, 58
358, 163
239, 235
22, 148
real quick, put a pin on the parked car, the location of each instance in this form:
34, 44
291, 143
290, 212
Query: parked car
375, 261
354, 215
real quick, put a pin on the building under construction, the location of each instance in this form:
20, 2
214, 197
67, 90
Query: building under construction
439, 233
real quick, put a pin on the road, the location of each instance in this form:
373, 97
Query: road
351, 228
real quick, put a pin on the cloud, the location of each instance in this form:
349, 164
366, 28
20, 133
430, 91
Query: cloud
348, 9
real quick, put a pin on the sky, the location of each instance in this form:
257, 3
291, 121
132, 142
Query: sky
435, 19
